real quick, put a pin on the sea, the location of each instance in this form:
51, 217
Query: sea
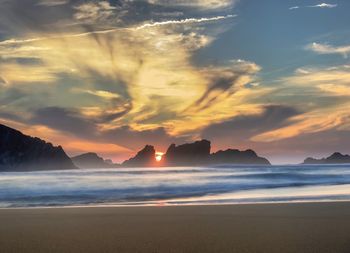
168, 186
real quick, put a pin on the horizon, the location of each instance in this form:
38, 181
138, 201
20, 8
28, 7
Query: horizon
110, 77
158, 155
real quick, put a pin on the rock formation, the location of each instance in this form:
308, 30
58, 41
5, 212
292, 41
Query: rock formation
189, 154
19, 152
335, 158
144, 158
92, 160
234, 156
194, 154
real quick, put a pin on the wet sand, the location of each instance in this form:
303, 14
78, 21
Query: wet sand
282, 228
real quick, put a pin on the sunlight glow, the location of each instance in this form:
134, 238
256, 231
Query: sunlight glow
159, 156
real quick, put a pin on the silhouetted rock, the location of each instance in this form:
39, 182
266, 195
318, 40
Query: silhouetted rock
188, 154
234, 156
92, 160
19, 152
194, 154
333, 159
311, 160
109, 161
144, 158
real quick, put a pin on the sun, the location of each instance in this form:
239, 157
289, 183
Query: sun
159, 156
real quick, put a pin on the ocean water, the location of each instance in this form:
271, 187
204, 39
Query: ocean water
175, 186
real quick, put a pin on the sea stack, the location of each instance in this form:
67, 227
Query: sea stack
189, 154
234, 156
144, 158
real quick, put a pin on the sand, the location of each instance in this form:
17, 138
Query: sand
282, 228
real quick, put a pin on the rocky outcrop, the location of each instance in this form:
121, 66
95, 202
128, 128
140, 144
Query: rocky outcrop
92, 160
19, 152
234, 156
198, 153
194, 154
144, 158
189, 154
335, 158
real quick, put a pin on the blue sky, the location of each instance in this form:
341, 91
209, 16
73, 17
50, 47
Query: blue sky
112, 76
273, 36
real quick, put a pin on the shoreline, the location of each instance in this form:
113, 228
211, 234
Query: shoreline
273, 228
177, 205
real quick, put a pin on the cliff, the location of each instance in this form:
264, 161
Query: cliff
19, 152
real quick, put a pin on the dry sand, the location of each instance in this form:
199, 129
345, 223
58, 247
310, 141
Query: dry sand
282, 228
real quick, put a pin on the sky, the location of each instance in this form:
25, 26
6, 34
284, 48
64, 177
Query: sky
112, 76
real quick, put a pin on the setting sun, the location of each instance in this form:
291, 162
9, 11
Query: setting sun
159, 156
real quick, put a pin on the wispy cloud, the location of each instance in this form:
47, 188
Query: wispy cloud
123, 76
199, 4
328, 49
184, 21
322, 5
294, 7
52, 2
331, 83
112, 30
94, 11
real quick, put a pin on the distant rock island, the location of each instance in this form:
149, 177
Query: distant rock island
194, 154
19, 152
234, 156
92, 160
335, 158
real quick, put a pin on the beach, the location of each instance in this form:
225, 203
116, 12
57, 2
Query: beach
292, 227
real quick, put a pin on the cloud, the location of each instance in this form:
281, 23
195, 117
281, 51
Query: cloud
200, 4
241, 128
126, 78
294, 7
328, 49
72, 122
92, 12
184, 21
328, 92
323, 5
111, 83
18, 18
52, 2
136, 139
108, 150
311, 122
63, 119
11, 95
226, 81
15, 42
3, 82
319, 78
10, 116
99, 93
20, 74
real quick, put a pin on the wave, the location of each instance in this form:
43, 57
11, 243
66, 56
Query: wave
189, 184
